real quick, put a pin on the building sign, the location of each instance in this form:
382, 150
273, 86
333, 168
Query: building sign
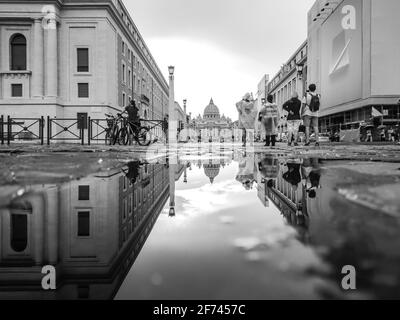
341, 55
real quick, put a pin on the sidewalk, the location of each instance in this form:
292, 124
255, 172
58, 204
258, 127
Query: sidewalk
346, 151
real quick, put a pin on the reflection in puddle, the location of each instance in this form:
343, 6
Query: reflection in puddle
208, 226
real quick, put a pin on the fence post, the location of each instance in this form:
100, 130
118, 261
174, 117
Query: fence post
9, 130
2, 129
41, 123
82, 134
89, 130
48, 130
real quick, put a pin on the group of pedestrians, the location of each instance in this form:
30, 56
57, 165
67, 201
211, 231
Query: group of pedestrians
300, 112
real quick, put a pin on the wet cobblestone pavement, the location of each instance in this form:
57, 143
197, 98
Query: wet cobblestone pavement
200, 222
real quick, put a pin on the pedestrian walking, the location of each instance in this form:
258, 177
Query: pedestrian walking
247, 117
310, 112
292, 107
269, 117
369, 135
133, 115
391, 135
165, 127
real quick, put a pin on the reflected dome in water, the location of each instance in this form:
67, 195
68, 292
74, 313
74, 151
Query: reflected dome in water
211, 171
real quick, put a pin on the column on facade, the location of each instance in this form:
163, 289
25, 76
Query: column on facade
52, 60
38, 211
52, 225
37, 65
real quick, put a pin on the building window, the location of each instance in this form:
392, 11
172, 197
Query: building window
123, 99
125, 209
130, 78
83, 59
84, 193
18, 52
83, 292
16, 90
123, 47
19, 232
83, 90
82, 120
123, 73
83, 224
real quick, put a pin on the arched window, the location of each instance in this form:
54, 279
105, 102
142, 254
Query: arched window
18, 52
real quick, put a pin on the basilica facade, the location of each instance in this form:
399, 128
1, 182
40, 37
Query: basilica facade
212, 126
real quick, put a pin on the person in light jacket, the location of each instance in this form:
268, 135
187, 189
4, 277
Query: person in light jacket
247, 116
269, 117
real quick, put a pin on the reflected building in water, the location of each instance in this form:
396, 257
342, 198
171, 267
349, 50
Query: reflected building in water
281, 183
90, 230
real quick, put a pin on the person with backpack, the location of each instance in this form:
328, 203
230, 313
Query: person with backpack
310, 112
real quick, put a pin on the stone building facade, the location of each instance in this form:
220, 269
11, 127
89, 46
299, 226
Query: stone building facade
65, 58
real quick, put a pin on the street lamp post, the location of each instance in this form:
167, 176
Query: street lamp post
300, 69
172, 125
171, 172
185, 122
398, 112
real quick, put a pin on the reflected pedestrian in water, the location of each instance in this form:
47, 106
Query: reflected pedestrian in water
311, 176
133, 171
293, 175
269, 170
246, 175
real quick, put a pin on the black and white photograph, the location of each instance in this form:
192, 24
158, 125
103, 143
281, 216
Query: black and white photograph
218, 151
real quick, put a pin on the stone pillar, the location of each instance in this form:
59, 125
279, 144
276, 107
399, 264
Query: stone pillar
171, 172
52, 60
37, 64
300, 87
172, 126
185, 122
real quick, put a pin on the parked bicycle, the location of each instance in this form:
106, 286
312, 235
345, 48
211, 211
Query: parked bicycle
124, 132
113, 128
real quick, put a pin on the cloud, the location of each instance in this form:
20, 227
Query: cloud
204, 71
221, 48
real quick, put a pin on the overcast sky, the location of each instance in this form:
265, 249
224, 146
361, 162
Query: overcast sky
220, 48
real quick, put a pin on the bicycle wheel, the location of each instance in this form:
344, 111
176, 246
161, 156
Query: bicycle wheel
124, 136
143, 137
108, 138
115, 135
